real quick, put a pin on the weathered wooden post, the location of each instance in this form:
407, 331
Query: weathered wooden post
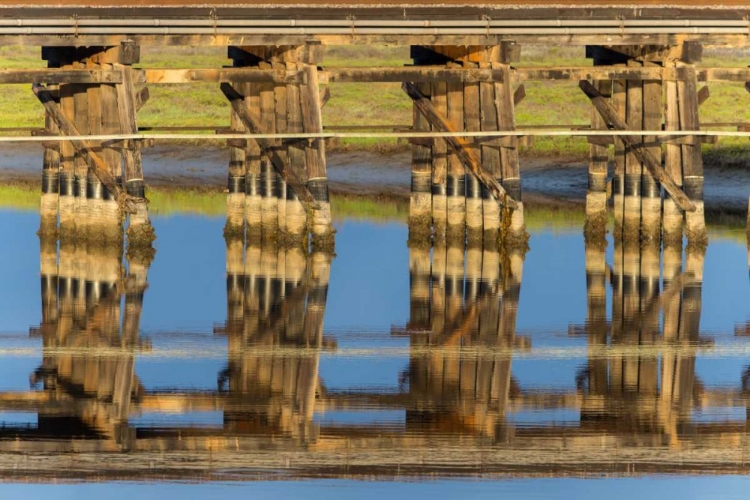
463, 208
92, 171
50, 176
273, 206
692, 158
595, 227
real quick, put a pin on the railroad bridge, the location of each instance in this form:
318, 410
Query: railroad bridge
465, 81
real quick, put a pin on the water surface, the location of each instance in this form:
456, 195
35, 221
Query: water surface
262, 371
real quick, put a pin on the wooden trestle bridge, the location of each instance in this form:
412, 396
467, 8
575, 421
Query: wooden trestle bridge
465, 81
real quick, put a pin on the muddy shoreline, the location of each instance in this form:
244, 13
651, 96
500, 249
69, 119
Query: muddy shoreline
549, 182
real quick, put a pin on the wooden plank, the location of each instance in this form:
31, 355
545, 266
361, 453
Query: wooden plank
325, 96
95, 163
460, 145
519, 95
598, 156
506, 121
295, 149
111, 124
54, 75
312, 122
703, 94
439, 148
141, 98
652, 164
267, 146
634, 118
692, 158
489, 122
127, 104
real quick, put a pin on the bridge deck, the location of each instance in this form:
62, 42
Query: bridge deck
453, 22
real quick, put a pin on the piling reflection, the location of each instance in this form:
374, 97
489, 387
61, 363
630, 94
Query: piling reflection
86, 396
648, 384
474, 396
462, 333
274, 329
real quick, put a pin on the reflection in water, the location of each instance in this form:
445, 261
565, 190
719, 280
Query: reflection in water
275, 306
635, 403
463, 307
87, 396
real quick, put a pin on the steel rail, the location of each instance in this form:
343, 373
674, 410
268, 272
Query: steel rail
415, 23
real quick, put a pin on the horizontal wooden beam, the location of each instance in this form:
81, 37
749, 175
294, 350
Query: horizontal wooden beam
395, 74
55, 76
221, 75
416, 74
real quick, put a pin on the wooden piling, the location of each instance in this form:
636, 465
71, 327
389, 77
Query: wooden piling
692, 159
439, 170
317, 182
253, 166
513, 226
140, 232
673, 218
491, 156
619, 102
631, 229
472, 123
67, 170
50, 177
81, 123
456, 190
420, 201
595, 227
296, 217
651, 208
269, 177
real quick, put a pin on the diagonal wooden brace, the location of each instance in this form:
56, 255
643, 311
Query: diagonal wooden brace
653, 164
83, 147
462, 147
268, 147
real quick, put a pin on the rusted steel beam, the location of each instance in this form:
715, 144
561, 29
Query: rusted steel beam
268, 147
461, 146
645, 156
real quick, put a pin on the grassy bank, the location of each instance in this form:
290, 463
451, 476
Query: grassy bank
547, 103
212, 203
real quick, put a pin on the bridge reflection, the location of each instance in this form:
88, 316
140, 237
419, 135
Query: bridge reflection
636, 404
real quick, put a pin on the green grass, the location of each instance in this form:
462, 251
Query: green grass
547, 103
19, 197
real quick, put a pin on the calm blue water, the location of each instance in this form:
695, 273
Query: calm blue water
433, 373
